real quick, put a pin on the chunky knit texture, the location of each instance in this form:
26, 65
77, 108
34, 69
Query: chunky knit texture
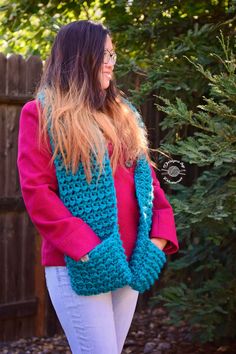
95, 202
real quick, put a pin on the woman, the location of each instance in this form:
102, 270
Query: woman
90, 190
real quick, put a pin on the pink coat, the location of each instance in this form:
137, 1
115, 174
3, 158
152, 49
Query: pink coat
62, 233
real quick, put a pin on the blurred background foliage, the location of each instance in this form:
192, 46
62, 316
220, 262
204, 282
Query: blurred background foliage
183, 54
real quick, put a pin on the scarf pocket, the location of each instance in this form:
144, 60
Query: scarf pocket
146, 264
107, 269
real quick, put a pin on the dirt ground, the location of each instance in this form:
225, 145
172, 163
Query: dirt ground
148, 333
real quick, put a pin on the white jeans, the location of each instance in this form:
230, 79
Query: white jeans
95, 324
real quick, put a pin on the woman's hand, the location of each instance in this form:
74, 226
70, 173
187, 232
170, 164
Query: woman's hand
159, 242
84, 258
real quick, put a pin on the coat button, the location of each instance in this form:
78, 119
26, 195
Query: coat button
128, 163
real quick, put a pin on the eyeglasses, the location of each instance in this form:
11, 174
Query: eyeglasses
109, 56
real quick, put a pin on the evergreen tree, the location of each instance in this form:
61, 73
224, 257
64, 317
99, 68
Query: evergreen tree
201, 284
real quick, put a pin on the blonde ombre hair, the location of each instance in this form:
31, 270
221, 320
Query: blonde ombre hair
83, 118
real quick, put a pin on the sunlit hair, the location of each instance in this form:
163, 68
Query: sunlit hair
83, 116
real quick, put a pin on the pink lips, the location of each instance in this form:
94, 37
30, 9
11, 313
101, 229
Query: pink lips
108, 75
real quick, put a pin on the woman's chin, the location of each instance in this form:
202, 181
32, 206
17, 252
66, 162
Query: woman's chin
105, 85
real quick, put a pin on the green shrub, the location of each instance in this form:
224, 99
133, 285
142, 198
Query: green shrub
201, 284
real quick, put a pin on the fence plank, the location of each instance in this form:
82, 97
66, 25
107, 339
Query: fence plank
33, 73
2, 149
3, 261
17, 276
28, 250
8, 204
3, 73
16, 75
39, 282
14, 100
11, 134
18, 309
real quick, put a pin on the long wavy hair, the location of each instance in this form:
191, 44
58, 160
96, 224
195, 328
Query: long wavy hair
84, 117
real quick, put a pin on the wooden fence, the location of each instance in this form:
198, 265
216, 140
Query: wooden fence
23, 300
25, 309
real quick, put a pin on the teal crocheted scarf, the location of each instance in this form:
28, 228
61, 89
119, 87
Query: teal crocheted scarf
107, 268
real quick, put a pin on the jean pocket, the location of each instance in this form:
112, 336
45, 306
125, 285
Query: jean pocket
146, 264
106, 269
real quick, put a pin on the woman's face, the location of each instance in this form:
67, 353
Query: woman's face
108, 64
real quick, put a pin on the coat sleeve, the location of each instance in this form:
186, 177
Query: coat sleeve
69, 234
163, 223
